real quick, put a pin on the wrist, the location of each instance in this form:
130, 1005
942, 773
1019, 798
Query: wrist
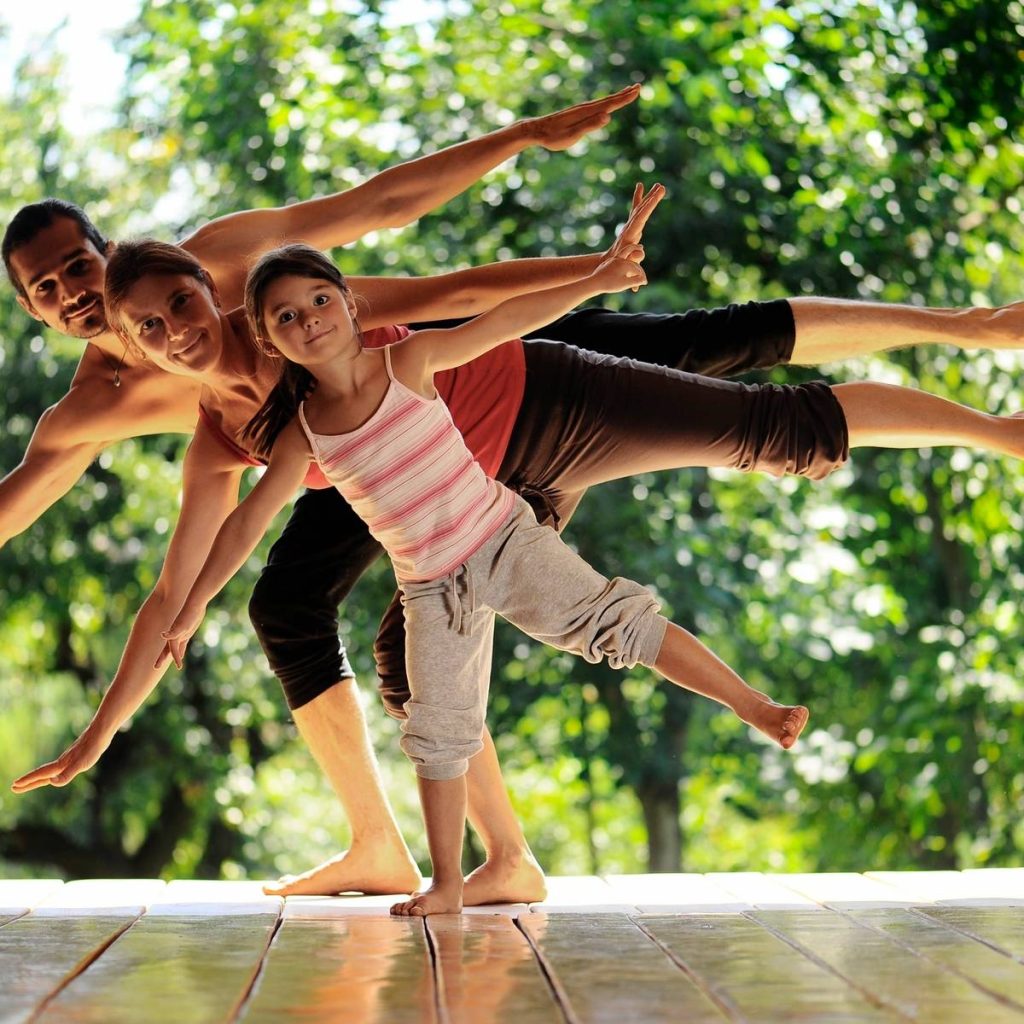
524, 133
103, 726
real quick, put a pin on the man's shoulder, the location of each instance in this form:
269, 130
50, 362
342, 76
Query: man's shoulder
146, 401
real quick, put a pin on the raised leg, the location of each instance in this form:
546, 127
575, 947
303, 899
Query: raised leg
888, 416
685, 661
378, 861
828, 330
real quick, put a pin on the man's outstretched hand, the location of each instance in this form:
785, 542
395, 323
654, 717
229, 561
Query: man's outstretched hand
566, 127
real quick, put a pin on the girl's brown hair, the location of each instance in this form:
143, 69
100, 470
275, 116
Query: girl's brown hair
130, 262
296, 382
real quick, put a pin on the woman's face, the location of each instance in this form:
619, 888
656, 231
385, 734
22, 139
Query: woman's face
175, 320
308, 319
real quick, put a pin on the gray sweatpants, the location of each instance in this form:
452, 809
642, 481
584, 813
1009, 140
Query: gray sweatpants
528, 575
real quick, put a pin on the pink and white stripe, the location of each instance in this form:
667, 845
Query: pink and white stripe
408, 474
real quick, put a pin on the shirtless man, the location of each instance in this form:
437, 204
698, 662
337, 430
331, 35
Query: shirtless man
57, 264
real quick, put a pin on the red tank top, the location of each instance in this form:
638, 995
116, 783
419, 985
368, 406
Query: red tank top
483, 397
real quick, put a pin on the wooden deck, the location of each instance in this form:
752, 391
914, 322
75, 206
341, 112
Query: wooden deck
880, 946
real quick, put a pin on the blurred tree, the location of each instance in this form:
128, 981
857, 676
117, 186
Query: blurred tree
867, 151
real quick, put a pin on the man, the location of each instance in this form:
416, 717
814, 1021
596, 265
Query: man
56, 260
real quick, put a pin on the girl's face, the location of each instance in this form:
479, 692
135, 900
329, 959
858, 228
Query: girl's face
308, 319
175, 320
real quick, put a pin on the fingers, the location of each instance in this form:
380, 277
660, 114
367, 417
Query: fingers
175, 644
620, 99
613, 101
641, 212
41, 776
163, 657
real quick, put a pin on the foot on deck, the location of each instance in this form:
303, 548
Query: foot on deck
438, 899
516, 878
373, 871
781, 723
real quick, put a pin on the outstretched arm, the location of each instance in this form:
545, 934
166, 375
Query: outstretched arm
466, 293
210, 491
394, 197
240, 533
462, 293
426, 352
89, 418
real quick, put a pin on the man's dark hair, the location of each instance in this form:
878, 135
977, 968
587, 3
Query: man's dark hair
31, 219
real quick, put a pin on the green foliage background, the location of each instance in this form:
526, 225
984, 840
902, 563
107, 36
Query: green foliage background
870, 151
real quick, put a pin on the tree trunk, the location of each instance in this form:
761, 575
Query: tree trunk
661, 808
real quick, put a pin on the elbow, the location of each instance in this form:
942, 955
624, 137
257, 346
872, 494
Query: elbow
397, 211
464, 297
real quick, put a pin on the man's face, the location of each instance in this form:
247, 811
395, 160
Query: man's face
62, 273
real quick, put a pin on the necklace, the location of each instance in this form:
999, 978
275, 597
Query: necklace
117, 369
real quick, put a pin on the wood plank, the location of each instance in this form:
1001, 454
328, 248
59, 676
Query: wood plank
604, 968
487, 971
756, 975
991, 887
182, 970
327, 908
360, 969
683, 893
885, 971
20, 894
994, 971
128, 897
845, 890
1001, 927
199, 897
40, 954
582, 894
761, 891
1008, 878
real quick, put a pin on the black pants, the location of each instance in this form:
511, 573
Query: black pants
584, 419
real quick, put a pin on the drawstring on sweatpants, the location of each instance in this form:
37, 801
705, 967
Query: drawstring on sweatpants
464, 604
542, 504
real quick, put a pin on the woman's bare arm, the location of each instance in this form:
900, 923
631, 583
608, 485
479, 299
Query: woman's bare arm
210, 490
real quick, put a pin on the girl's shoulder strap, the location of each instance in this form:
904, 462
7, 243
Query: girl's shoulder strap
387, 362
310, 436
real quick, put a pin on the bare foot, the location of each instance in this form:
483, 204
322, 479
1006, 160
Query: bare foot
365, 869
514, 879
438, 899
781, 723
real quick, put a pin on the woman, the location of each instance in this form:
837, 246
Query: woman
547, 442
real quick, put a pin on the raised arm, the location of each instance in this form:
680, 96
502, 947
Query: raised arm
461, 293
394, 197
240, 533
210, 491
426, 352
465, 293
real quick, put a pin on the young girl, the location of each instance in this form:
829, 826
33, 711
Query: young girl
463, 546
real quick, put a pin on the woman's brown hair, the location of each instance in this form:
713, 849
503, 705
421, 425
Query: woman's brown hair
131, 261
296, 382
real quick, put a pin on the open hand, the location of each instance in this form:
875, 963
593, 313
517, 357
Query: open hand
78, 758
178, 635
629, 238
614, 273
566, 127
